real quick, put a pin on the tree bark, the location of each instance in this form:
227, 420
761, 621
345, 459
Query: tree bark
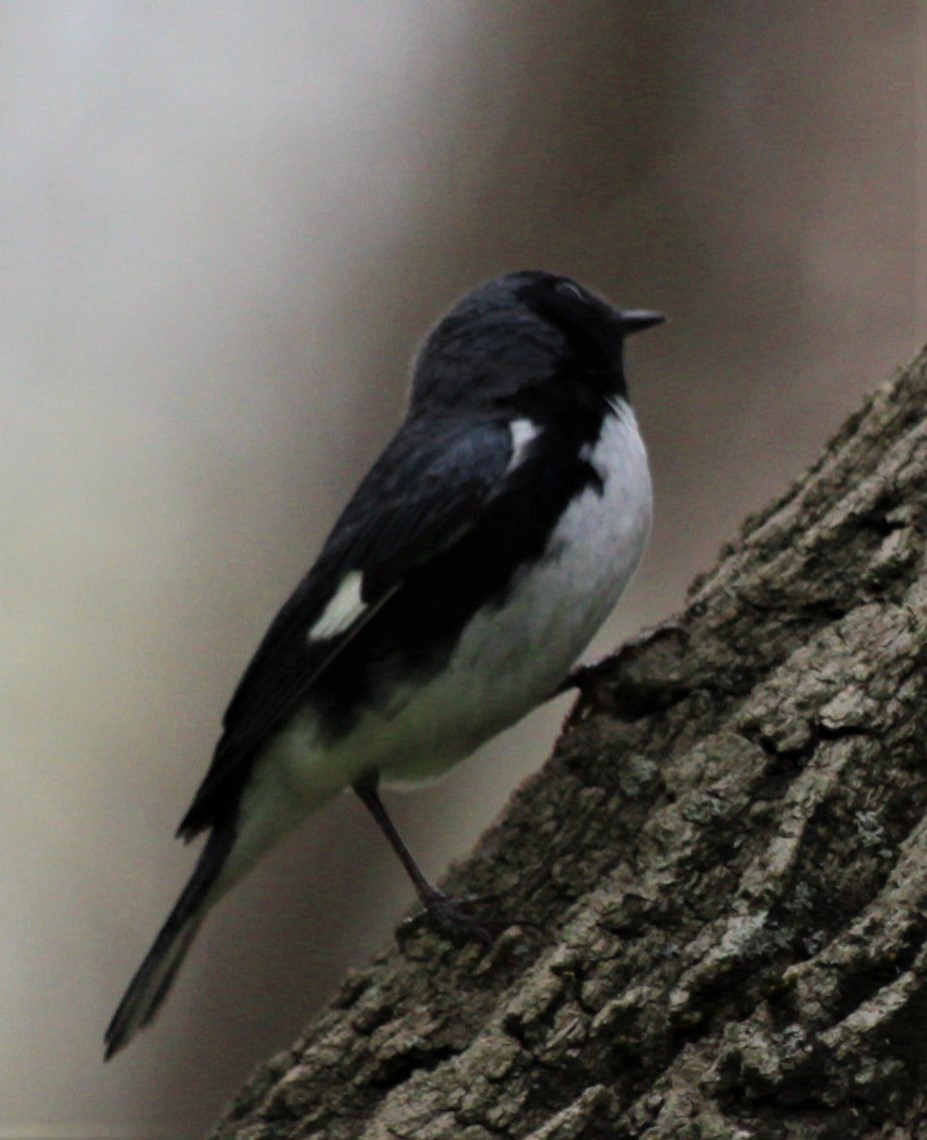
721, 874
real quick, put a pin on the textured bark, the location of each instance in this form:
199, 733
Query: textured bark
726, 860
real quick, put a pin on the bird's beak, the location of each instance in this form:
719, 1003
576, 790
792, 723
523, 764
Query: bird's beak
636, 320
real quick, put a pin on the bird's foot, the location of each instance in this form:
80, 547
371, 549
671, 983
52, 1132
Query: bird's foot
464, 920
461, 920
643, 677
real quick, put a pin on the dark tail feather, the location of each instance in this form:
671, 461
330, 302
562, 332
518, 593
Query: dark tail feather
154, 977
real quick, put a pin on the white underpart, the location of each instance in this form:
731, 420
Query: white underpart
508, 661
342, 611
522, 432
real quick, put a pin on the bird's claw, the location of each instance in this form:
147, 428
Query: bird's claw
461, 920
613, 683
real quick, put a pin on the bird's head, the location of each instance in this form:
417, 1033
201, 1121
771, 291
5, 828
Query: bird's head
525, 333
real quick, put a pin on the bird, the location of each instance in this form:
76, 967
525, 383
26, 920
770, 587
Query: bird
457, 589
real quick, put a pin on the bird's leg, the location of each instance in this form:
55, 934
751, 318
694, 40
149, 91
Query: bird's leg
447, 913
367, 793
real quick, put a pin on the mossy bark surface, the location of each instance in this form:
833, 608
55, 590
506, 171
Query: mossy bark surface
721, 874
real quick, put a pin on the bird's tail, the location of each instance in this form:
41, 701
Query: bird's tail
154, 977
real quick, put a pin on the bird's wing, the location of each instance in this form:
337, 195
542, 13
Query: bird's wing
428, 488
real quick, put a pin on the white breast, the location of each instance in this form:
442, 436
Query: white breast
512, 658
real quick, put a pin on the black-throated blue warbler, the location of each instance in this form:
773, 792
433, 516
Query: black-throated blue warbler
464, 578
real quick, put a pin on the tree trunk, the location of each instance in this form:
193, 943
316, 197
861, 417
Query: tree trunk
721, 875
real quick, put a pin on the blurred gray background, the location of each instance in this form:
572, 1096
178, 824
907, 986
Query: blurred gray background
224, 227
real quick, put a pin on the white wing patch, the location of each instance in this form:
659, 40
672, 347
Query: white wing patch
522, 432
345, 607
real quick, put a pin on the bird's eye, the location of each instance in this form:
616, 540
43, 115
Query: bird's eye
568, 289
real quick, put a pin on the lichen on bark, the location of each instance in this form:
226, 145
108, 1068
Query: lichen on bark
721, 874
